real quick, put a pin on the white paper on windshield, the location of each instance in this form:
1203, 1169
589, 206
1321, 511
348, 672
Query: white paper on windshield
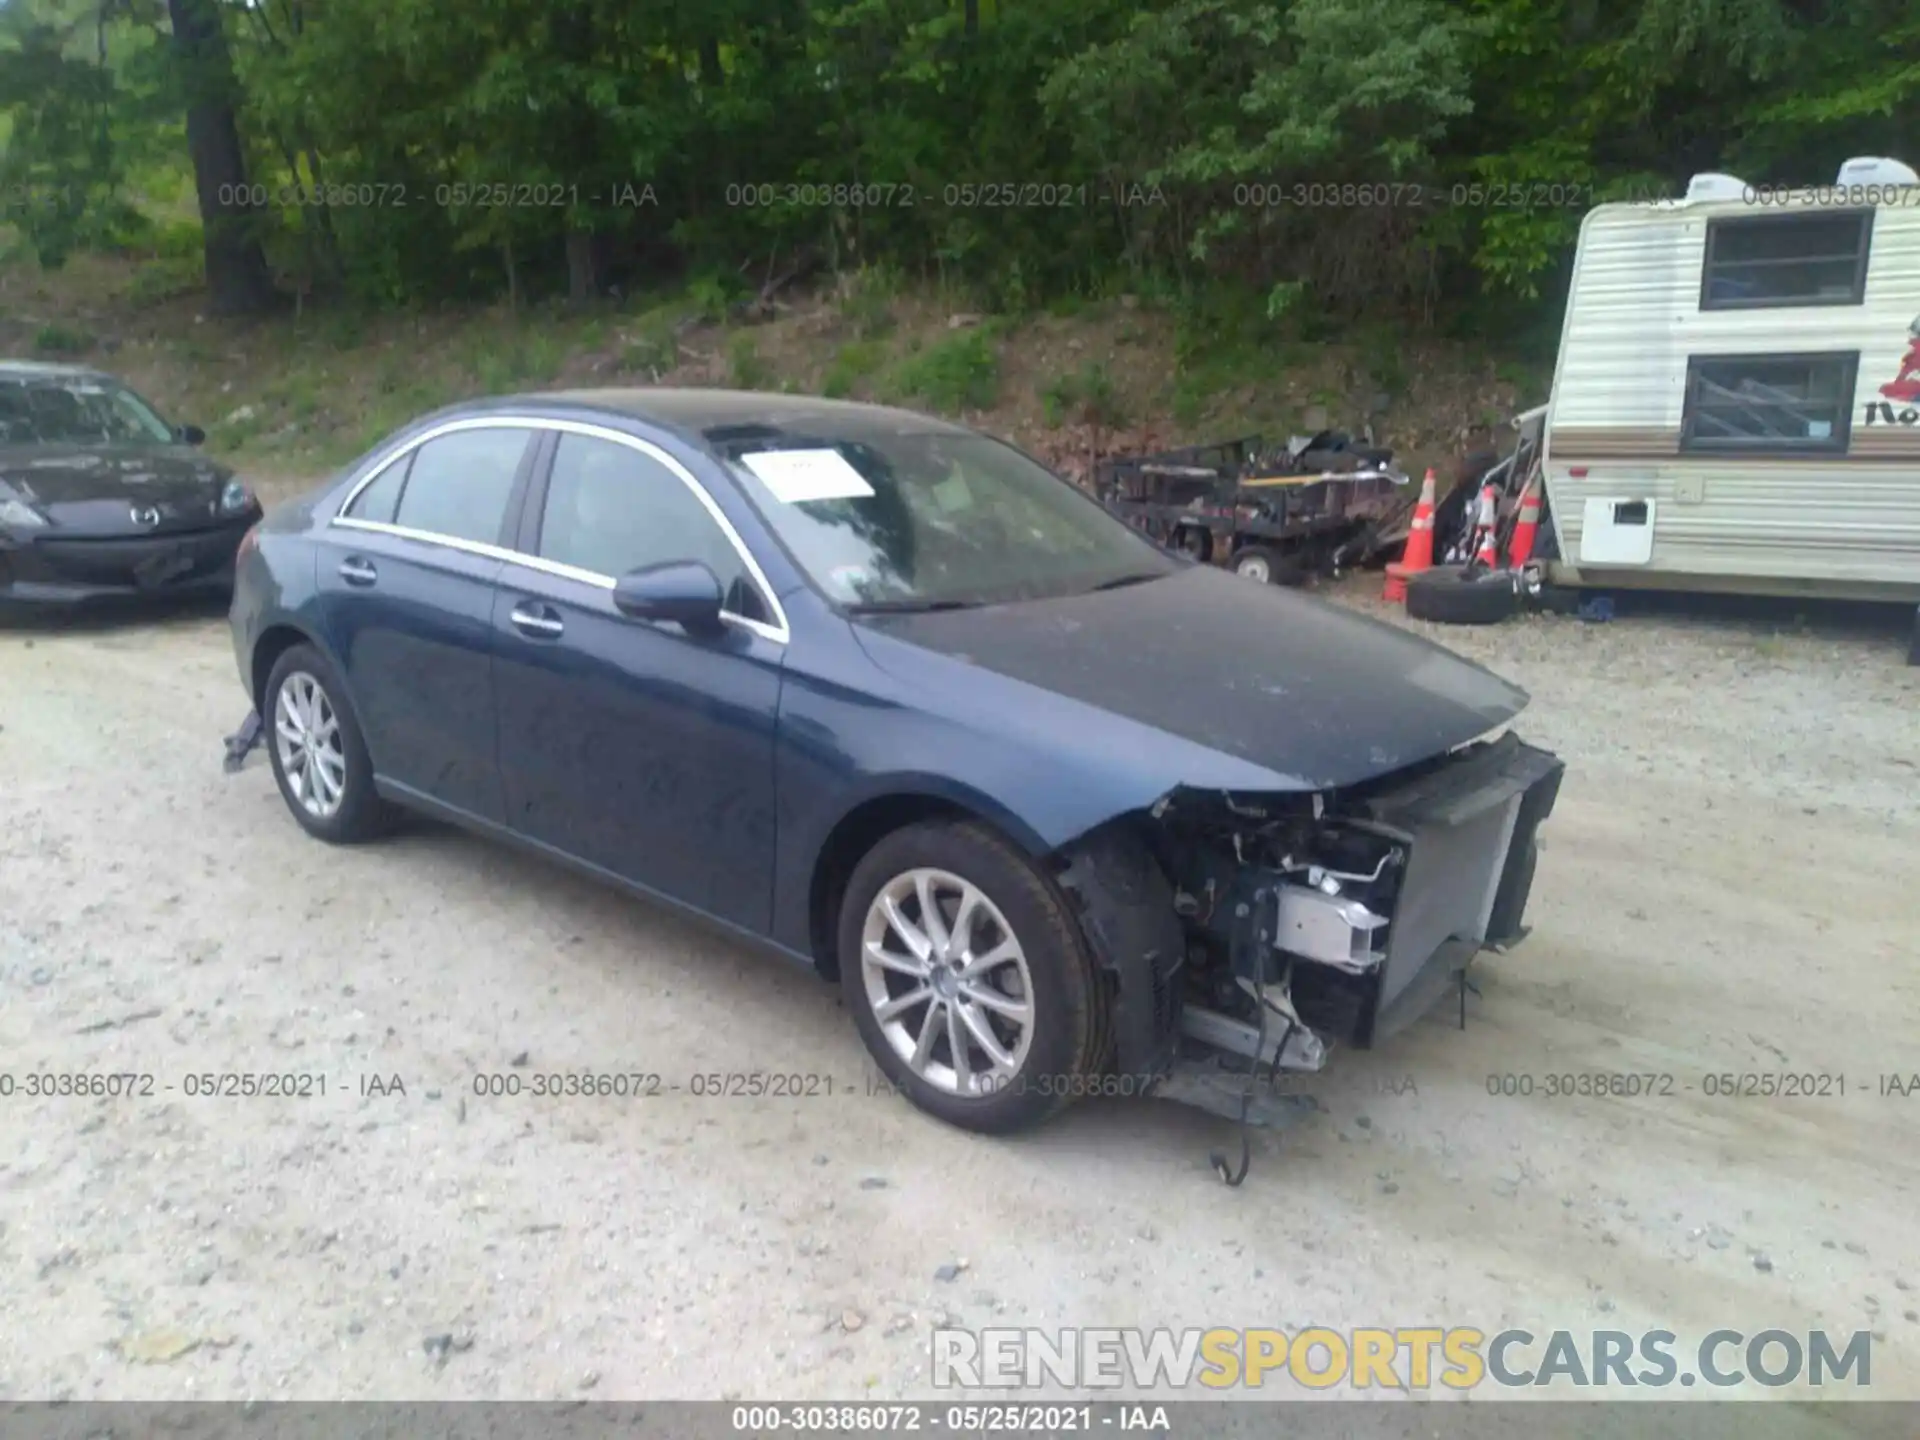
796, 476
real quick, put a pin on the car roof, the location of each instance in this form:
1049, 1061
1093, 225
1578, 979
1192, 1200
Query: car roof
48, 370
709, 417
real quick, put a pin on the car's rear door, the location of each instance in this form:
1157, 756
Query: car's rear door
629, 744
406, 577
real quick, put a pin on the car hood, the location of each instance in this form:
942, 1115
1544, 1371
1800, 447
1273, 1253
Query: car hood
95, 489
1318, 695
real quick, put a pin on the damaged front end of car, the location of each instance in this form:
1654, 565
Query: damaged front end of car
1246, 935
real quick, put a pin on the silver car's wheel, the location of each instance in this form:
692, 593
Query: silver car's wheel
311, 748
947, 982
1254, 567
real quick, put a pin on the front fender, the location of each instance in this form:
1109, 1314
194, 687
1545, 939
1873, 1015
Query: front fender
1042, 769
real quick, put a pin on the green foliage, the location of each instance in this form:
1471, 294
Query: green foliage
1306, 156
61, 340
853, 365
59, 168
521, 358
866, 308
712, 296
957, 374
1087, 395
652, 352
747, 369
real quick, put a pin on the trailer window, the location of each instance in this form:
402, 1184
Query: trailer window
1769, 402
1770, 261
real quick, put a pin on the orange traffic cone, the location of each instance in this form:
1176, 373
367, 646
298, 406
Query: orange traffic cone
1419, 548
1520, 548
1418, 554
1488, 555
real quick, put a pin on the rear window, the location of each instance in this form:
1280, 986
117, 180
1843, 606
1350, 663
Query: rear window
380, 501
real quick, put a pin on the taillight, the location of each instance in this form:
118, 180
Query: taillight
250, 541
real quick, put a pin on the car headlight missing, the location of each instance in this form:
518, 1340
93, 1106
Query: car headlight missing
235, 497
18, 515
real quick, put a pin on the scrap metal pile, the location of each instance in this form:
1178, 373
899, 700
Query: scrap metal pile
1485, 534
1318, 504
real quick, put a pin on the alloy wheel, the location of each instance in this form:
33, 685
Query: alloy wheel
948, 982
309, 745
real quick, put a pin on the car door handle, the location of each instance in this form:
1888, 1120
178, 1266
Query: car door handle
536, 620
356, 571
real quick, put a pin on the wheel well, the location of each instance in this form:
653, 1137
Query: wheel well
859, 830
274, 643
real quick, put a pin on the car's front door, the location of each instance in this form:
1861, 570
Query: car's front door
634, 745
407, 578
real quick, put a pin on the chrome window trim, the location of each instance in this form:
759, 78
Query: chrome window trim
779, 632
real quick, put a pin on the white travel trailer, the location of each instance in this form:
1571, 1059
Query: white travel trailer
1736, 405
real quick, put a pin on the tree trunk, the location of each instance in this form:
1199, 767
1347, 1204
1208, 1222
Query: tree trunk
583, 281
238, 282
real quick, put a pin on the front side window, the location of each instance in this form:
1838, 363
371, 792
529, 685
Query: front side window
75, 410
1781, 260
910, 519
611, 508
458, 485
1769, 402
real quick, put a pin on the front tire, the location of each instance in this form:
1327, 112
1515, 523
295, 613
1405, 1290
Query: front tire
1266, 566
317, 752
968, 978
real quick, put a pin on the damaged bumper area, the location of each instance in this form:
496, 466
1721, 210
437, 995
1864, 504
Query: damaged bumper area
1245, 932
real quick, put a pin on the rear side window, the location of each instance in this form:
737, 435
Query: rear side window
459, 484
1781, 260
380, 501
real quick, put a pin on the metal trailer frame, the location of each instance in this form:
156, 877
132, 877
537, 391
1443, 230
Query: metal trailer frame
1218, 502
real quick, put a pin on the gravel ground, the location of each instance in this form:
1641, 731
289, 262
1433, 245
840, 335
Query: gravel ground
1727, 886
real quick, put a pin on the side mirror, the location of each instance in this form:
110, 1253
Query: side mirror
189, 434
684, 592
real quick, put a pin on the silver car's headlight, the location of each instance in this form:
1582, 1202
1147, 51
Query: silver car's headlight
18, 515
235, 497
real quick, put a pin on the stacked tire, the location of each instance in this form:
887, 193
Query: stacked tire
1462, 595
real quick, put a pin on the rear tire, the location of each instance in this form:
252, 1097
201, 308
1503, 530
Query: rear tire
1450, 595
1194, 541
1013, 910
318, 755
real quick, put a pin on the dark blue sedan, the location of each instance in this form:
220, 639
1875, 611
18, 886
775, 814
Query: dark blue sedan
1061, 813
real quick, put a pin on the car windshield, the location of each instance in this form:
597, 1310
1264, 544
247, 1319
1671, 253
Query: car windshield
934, 519
76, 410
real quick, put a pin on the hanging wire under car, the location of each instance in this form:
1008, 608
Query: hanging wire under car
1230, 1177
